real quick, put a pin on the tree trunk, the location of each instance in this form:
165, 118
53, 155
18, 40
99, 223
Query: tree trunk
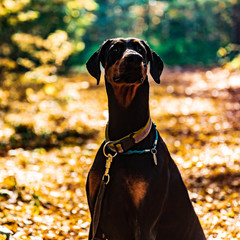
236, 23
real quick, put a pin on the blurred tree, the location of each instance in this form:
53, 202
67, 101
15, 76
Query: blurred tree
181, 31
39, 35
190, 31
46, 36
236, 22
113, 19
229, 52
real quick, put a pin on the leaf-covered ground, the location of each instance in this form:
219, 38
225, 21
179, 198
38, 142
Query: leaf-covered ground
50, 132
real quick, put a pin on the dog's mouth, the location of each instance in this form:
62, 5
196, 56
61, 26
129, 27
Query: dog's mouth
132, 74
128, 79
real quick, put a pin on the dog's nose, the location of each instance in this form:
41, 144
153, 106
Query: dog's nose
133, 58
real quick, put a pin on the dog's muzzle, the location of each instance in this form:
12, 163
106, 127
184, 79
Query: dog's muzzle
131, 68
133, 59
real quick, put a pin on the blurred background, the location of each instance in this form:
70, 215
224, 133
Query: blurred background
43, 37
53, 115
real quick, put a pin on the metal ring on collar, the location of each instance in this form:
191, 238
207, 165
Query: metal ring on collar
154, 150
104, 149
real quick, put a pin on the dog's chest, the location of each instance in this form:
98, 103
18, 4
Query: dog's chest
137, 188
123, 185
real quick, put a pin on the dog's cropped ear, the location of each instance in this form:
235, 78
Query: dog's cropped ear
93, 64
156, 63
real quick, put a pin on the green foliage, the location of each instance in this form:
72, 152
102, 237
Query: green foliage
43, 37
182, 31
190, 31
39, 36
229, 55
113, 19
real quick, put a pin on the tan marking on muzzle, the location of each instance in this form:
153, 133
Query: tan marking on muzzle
124, 92
113, 71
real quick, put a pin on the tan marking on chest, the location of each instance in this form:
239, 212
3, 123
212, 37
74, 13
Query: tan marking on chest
94, 182
138, 189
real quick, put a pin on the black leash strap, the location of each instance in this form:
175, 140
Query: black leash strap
101, 191
97, 208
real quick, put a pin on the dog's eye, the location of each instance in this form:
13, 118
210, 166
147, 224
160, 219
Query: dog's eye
116, 49
139, 49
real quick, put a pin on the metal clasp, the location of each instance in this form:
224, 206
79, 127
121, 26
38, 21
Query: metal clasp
104, 149
106, 176
154, 153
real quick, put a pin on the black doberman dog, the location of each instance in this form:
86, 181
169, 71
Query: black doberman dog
145, 197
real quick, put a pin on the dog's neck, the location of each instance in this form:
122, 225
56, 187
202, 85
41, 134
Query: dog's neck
125, 120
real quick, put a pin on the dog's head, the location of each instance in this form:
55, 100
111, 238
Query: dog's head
125, 61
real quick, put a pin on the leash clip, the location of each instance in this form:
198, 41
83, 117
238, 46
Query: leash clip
106, 176
104, 149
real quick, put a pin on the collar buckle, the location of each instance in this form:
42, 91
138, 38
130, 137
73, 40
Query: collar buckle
124, 144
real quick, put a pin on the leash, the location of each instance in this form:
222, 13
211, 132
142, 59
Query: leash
117, 147
101, 191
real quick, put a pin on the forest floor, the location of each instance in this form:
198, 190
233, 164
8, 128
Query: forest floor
50, 131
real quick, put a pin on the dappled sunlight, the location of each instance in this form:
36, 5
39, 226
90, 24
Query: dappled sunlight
182, 106
197, 116
57, 205
51, 123
50, 52
50, 132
